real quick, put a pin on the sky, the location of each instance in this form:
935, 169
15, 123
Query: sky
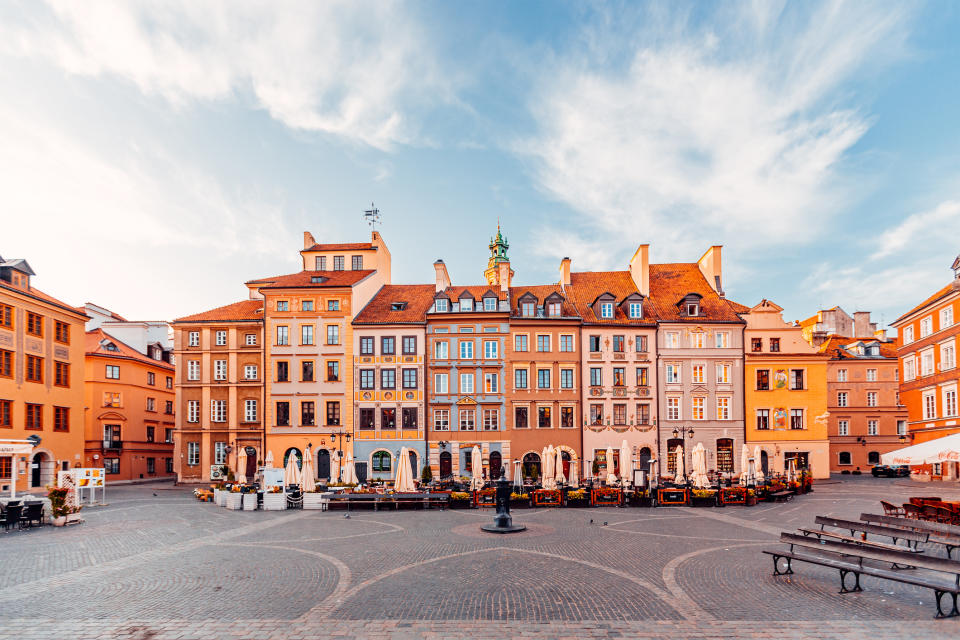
156, 155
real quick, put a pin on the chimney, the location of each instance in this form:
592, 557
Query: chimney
862, 327
504, 277
880, 334
640, 269
308, 240
711, 268
565, 273
443, 278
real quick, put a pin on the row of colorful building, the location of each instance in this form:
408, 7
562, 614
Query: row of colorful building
337, 358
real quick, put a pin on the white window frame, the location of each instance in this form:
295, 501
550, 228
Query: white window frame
333, 334
606, 310
193, 411
841, 375
843, 427
250, 410
842, 398
671, 340
251, 339
491, 420
723, 408
219, 369
306, 334
871, 375
490, 349
441, 419
926, 326
873, 427
636, 310
907, 335
723, 374
702, 378
218, 411
909, 368
949, 401
441, 382
722, 339
466, 383
221, 338
698, 407
570, 375
193, 453
467, 419
946, 317
927, 366
673, 408
901, 427
193, 369
466, 304
440, 305
491, 383
672, 373
698, 339
193, 339
948, 356
929, 405
466, 349
489, 304
250, 372
283, 336
441, 350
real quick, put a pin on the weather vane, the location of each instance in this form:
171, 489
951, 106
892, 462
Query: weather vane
372, 216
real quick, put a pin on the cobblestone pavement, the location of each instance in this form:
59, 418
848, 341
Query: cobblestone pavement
155, 563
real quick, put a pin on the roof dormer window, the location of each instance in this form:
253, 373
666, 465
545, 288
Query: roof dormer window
489, 304
466, 304
317, 279
440, 305
553, 309
693, 308
636, 310
606, 309
398, 306
528, 309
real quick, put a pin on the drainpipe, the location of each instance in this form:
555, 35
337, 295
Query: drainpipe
743, 385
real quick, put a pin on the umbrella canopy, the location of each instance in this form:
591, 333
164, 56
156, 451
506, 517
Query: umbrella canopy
269, 459
560, 478
518, 476
679, 457
476, 468
404, 478
549, 464
790, 470
945, 449
744, 464
698, 475
611, 471
756, 463
335, 466
574, 476
242, 465
308, 481
626, 463
291, 473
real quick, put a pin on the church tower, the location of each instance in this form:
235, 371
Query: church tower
498, 272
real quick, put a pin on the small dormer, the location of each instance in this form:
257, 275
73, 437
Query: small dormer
441, 303
690, 305
527, 305
604, 306
108, 346
553, 305
466, 301
490, 300
632, 306
16, 272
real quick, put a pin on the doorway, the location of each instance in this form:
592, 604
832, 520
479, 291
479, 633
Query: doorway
446, 465
323, 464
643, 459
251, 470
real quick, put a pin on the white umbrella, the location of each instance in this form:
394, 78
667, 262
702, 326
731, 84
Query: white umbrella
611, 471
476, 469
334, 466
679, 458
744, 464
404, 480
626, 463
543, 465
701, 457
574, 476
560, 478
242, 465
790, 469
308, 481
549, 464
756, 462
945, 449
350, 471
291, 473
269, 459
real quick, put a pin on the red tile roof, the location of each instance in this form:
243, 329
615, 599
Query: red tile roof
418, 299
669, 283
586, 286
476, 291
834, 342
953, 286
344, 246
303, 279
243, 311
542, 292
738, 308
94, 347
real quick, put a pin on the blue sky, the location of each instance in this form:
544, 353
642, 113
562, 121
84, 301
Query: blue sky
156, 155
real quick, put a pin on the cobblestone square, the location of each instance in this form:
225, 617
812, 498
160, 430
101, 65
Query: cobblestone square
155, 563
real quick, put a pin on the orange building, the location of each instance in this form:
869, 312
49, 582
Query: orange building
928, 342
130, 409
41, 380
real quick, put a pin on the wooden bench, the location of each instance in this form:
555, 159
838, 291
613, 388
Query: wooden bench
820, 533
781, 496
424, 499
849, 559
853, 526
947, 535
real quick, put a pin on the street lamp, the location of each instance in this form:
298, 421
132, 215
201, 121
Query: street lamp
337, 438
683, 433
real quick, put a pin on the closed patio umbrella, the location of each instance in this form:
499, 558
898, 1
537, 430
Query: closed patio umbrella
574, 476
701, 457
242, 465
308, 481
744, 464
678, 476
549, 464
558, 476
756, 462
626, 463
269, 459
350, 471
403, 482
476, 469
291, 473
543, 465
611, 471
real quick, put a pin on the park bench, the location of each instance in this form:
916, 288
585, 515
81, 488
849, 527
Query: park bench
426, 500
947, 535
943, 575
854, 526
781, 496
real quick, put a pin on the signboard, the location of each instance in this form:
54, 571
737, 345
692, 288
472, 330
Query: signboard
90, 477
15, 448
272, 477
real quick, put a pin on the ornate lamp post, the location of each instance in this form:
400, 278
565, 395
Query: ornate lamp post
337, 439
683, 433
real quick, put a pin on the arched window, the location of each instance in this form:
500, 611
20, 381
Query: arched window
413, 464
381, 461
496, 461
296, 452
844, 457
531, 461
764, 462
643, 459
873, 457
672, 445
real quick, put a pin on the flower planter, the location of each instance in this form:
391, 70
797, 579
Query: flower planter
73, 518
751, 501
520, 503
642, 501
314, 501
734, 495
234, 501
59, 521
274, 502
606, 497
249, 501
485, 498
673, 497
547, 498
461, 504
222, 498
704, 502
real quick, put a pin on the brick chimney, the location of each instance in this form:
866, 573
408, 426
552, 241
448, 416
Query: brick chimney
880, 334
308, 240
443, 278
862, 327
711, 268
640, 269
565, 273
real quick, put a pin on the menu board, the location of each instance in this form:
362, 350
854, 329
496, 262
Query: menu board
725, 456
92, 477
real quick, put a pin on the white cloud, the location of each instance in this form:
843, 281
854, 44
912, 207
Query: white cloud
940, 225
690, 143
356, 69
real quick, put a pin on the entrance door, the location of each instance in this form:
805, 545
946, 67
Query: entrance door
763, 462
323, 464
251, 465
446, 465
413, 464
643, 460
496, 461
35, 470
566, 464
361, 468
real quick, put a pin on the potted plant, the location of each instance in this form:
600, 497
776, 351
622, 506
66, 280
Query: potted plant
426, 476
595, 468
460, 500
578, 497
751, 497
274, 499
59, 509
704, 497
519, 500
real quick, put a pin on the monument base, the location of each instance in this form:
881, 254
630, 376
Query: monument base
513, 528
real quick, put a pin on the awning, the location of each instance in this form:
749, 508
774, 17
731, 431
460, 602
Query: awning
945, 449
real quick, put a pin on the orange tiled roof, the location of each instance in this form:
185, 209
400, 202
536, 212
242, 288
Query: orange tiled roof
738, 308
95, 348
343, 246
418, 299
834, 342
669, 283
37, 294
245, 310
304, 279
953, 286
541, 292
586, 286
476, 291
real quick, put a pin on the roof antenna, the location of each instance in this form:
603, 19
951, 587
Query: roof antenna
372, 216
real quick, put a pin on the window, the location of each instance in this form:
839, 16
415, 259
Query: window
619, 376
338, 263
381, 461
466, 383
388, 418
490, 349
619, 414
872, 427
844, 458
871, 375
219, 452
168, 435
168, 407
367, 419
283, 413
843, 428
841, 398
907, 335
250, 410
388, 378
841, 375
193, 411
763, 419
901, 427
34, 324
441, 419
643, 413
307, 413
409, 418
6, 363
948, 358
873, 457
61, 420
566, 378
440, 304
528, 309
250, 372
193, 454
946, 318
333, 305
466, 304
306, 334
491, 419
489, 304
723, 374
756, 344
34, 417
221, 338
283, 371
440, 382
594, 344
693, 309
723, 408
796, 419
606, 309
596, 414
553, 309
519, 378
194, 339
367, 377
698, 340
491, 382
673, 408
333, 413
6, 417
543, 378
151, 378
520, 416
113, 372
219, 369
520, 342
440, 350
722, 339
35, 369
796, 379
283, 305
409, 378
673, 373
466, 349
636, 310
697, 374
320, 263
356, 263
306, 305
871, 398
909, 368
61, 374
468, 420
111, 399
333, 370
763, 379
926, 362
409, 345
61, 332
388, 345
544, 420
926, 327
566, 343
697, 408
950, 402
333, 334
618, 344
596, 376
642, 376
641, 344
775, 345
283, 337
543, 343
151, 404
6, 320
306, 371
218, 411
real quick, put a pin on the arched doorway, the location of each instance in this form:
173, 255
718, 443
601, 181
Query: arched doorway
565, 456
251, 469
764, 465
413, 464
496, 462
672, 445
643, 459
296, 452
531, 461
41, 470
323, 464
446, 464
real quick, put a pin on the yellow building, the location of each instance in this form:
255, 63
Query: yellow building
41, 380
786, 393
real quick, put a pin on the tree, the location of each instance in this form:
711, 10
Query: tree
426, 476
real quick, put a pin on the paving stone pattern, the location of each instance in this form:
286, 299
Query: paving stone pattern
155, 563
